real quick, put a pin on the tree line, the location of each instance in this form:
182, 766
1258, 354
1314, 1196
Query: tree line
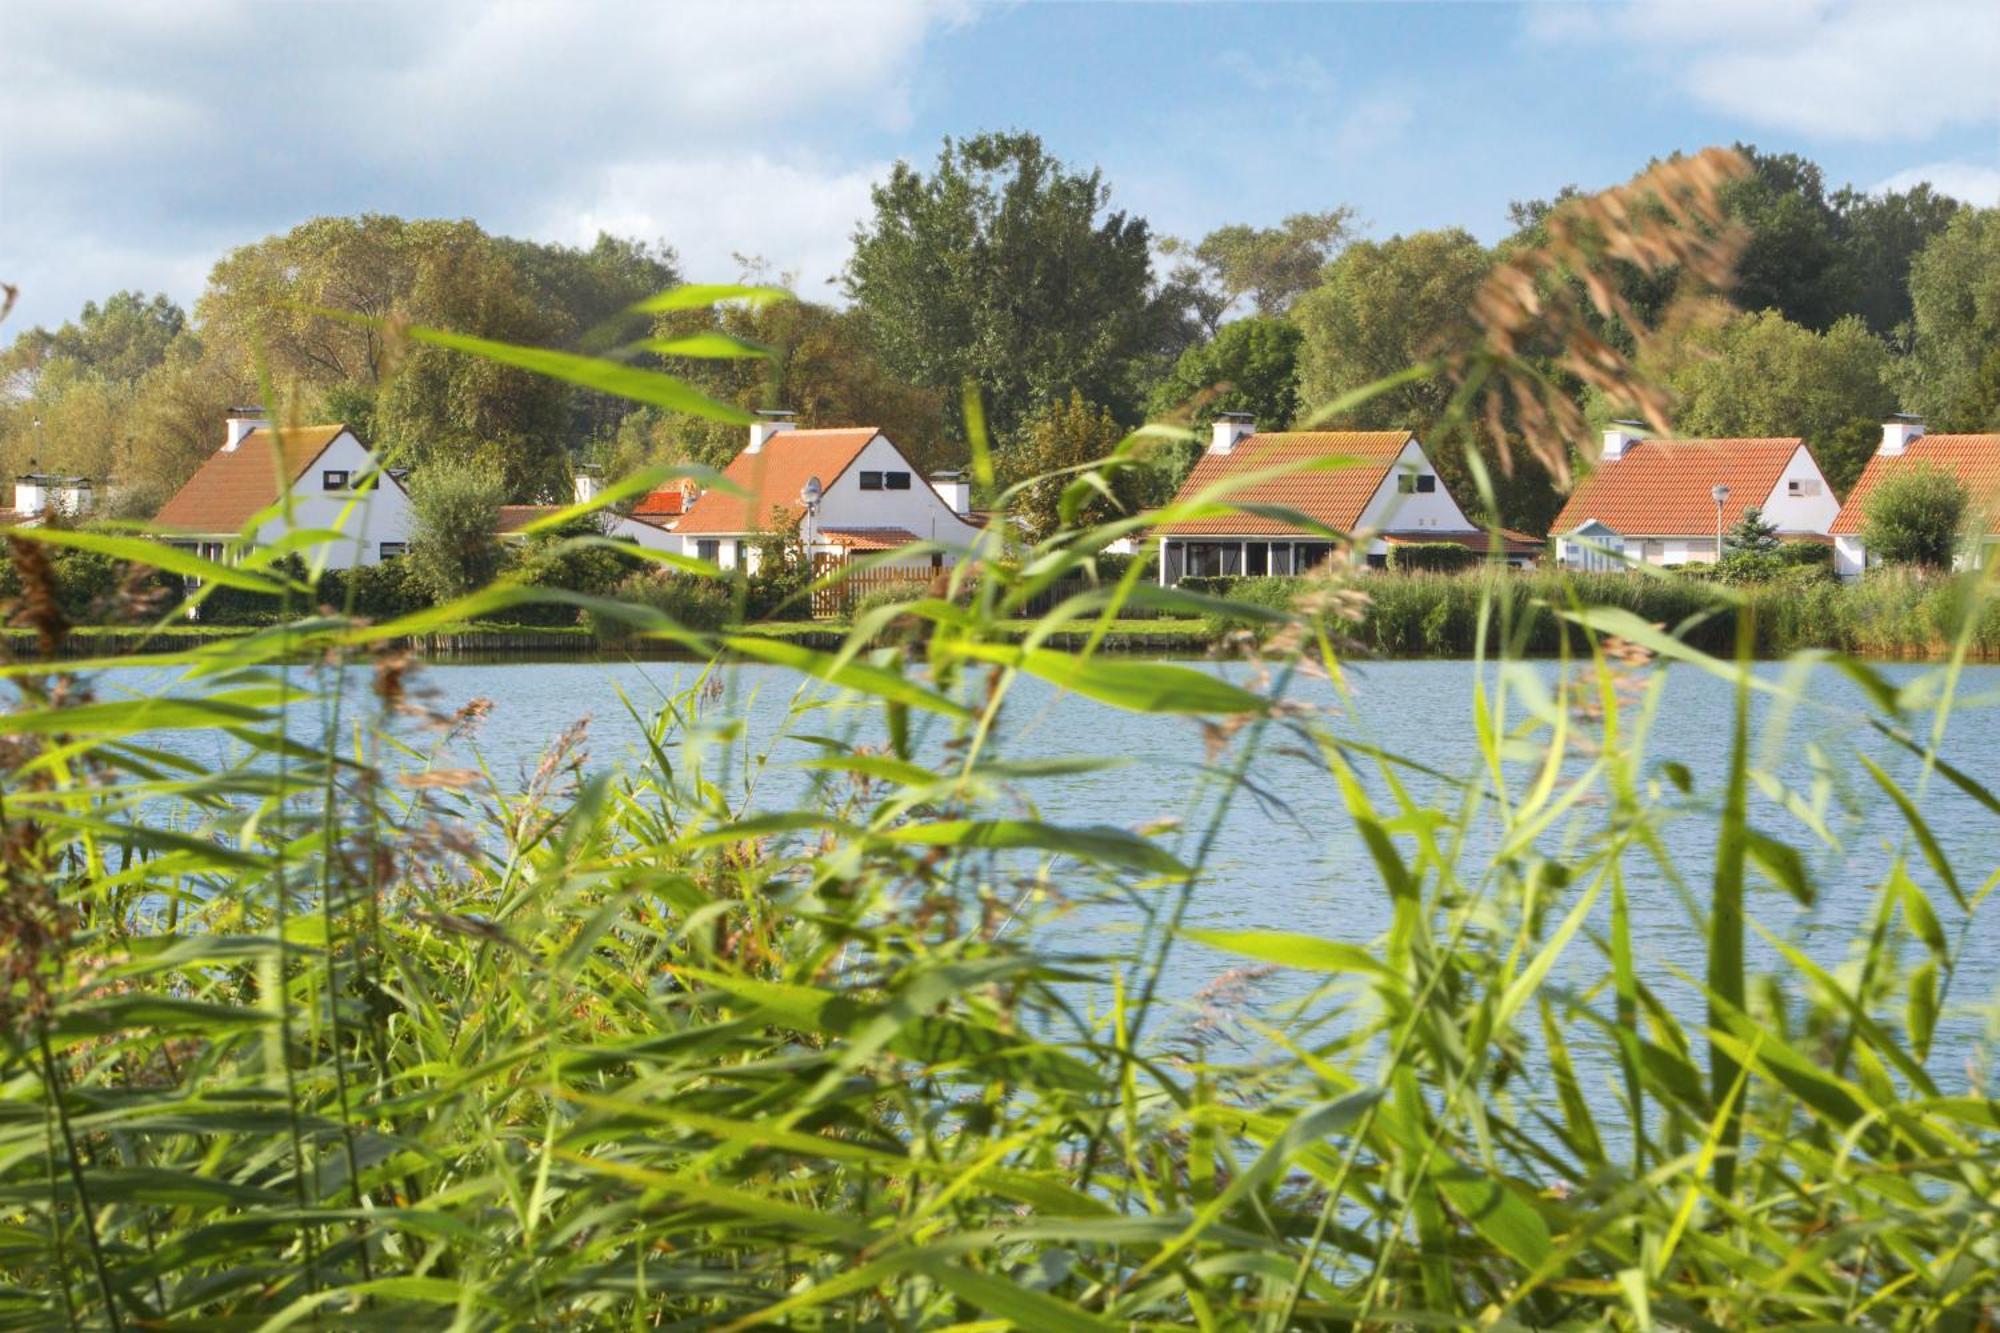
1001, 266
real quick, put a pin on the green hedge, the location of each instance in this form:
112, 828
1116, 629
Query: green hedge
1431, 557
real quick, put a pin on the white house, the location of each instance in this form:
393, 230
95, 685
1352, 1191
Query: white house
650, 523
1972, 460
1655, 501
850, 490
328, 474
1379, 485
39, 494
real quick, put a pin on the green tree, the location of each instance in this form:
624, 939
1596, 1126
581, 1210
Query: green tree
1381, 307
1752, 534
1881, 235
1252, 366
1952, 374
1915, 516
1272, 266
118, 341
455, 543
1793, 261
1006, 267
1765, 375
1059, 438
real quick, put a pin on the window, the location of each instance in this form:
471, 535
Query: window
1281, 557
706, 548
390, 550
1802, 486
896, 481
1311, 555
1257, 558
1416, 483
1426, 484
333, 479
871, 481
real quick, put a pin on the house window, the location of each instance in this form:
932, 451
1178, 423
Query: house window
1257, 558
390, 550
896, 481
1281, 557
1802, 486
333, 479
871, 481
1426, 484
707, 548
1311, 555
1416, 483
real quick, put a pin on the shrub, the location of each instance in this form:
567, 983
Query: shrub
1431, 557
455, 541
375, 592
90, 587
693, 601
1914, 517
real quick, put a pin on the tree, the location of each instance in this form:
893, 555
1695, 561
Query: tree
1273, 266
1793, 261
1008, 268
1250, 366
1752, 534
1880, 235
118, 341
455, 511
1380, 308
1764, 375
1952, 374
1914, 516
1058, 439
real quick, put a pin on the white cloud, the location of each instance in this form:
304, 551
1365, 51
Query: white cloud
178, 129
797, 216
1835, 69
1961, 180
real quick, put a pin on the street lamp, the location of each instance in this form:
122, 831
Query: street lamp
810, 495
1721, 494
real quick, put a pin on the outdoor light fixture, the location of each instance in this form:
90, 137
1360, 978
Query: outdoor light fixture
1721, 494
810, 494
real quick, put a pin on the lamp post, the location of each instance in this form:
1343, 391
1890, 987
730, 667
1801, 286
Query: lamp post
809, 495
1721, 494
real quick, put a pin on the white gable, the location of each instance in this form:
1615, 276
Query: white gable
1391, 509
324, 497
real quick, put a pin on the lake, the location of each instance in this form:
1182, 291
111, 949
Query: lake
1287, 857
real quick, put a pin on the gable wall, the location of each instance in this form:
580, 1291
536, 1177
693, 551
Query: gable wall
383, 515
1389, 510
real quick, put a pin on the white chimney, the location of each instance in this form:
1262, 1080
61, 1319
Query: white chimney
1230, 430
954, 490
1897, 432
240, 422
1620, 436
769, 423
31, 494
587, 485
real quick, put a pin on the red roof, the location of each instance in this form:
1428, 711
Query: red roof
668, 502
236, 483
1333, 496
1661, 488
515, 517
1973, 459
772, 478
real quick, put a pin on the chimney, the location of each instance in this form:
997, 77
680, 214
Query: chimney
240, 422
31, 494
769, 423
1897, 432
588, 484
1230, 429
1620, 436
954, 490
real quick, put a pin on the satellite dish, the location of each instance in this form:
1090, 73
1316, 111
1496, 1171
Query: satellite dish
811, 491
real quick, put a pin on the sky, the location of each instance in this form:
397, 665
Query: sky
141, 141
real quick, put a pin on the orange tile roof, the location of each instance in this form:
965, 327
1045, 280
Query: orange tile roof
867, 539
236, 483
668, 502
1973, 459
772, 478
1332, 496
1660, 488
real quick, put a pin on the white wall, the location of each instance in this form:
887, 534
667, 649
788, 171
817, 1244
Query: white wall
1850, 556
1805, 513
366, 521
1389, 510
624, 528
920, 509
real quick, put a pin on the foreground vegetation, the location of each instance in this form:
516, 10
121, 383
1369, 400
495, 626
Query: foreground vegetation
308, 1016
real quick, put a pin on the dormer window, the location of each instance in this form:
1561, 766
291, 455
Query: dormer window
872, 481
334, 479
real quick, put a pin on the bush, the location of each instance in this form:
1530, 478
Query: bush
546, 560
455, 541
1431, 557
691, 600
1915, 517
93, 589
378, 592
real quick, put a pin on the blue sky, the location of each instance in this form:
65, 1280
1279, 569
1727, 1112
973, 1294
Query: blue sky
140, 140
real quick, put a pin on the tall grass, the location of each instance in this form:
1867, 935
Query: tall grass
348, 1030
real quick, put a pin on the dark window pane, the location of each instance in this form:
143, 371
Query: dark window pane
1257, 558
871, 481
1427, 483
1232, 557
333, 479
706, 548
896, 481
1312, 555
1281, 557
